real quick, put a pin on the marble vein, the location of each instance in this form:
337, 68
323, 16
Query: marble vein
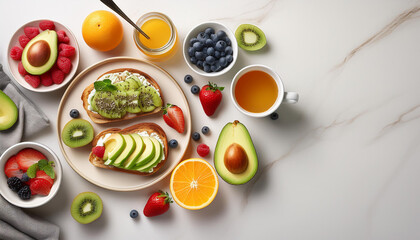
388, 29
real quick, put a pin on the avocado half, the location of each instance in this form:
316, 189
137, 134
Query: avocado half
40, 54
234, 139
8, 112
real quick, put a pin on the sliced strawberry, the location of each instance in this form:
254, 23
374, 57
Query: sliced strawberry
176, 117
99, 151
40, 186
11, 168
41, 174
27, 157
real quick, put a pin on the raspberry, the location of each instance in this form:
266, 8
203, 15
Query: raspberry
46, 79
99, 151
40, 186
57, 75
64, 64
31, 32
46, 24
14, 183
203, 150
24, 193
21, 69
16, 53
66, 50
34, 81
62, 37
23, 40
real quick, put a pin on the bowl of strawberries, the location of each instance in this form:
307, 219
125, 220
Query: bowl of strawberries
31, 174
43, 56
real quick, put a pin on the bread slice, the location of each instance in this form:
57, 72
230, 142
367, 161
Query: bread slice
96, 118
149, 128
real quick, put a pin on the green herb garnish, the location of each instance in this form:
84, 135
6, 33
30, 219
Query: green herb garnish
104, 85
42, 165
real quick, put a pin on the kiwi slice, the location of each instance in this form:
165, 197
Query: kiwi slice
250, 37
77, 133
149, 99
86, 207
133, 102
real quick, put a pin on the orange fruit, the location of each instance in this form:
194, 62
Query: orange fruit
102, 30
194, 184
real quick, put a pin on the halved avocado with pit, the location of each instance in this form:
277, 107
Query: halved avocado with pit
40, 54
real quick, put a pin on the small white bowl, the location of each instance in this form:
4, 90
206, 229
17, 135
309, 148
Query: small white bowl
34, 201
200, 28
13, 65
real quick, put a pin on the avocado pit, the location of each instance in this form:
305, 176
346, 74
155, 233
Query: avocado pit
236, 159
39, 53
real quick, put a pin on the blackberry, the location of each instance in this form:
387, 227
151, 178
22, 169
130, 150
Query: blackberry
14, 183
24, 193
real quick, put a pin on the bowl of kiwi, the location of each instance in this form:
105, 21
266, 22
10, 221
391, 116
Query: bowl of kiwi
210, 49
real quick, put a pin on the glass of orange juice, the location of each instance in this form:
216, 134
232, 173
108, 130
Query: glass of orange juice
163, 36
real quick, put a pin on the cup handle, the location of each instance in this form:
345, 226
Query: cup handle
291, 97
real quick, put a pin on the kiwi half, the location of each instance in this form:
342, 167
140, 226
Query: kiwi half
250, 37
77, 133
86, 207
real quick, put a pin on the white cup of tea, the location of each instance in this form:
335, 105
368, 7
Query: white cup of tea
258, 91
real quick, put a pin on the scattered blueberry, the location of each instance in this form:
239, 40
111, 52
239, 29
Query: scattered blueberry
188, 78
134, 213
229, 50
74, 113
221, 34
196, 136
220, 45
173, 143
24, 193
195, 89
209, 31
274, 116
25, 178
205, 130
14, 183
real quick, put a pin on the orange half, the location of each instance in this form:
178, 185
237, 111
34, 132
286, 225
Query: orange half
194, 184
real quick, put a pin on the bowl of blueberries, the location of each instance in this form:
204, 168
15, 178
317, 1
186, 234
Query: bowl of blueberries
210, 49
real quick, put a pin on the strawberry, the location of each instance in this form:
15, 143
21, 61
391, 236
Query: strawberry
27, 157
174, 117
99, 151
42, 175
157, 204
40, 186
210, 98
11, 168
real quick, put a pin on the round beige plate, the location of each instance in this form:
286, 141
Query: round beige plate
77, 158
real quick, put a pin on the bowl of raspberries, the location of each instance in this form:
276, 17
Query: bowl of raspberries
31, 174
43, 56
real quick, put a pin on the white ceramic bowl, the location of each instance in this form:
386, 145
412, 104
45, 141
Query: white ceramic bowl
13, 65
200, 28
34, 201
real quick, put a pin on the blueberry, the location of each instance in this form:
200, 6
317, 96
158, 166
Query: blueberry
196, 136
193, 60
210, 60
214, 37
200, 64
217, 54
191, 51
193, 40
216, 67
198, 46
74, 113
221, 34
229, 58
134, 213
199, 55
173, 143
205, 130
222, 54
229, 50
210, 51
195, 89
274, 116
202, 36
205, 51
209, 31
209, 43
25, 178
206, 67
223, 62
220, 45
227, 40
188, 78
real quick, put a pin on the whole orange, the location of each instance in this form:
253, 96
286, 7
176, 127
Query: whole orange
102, 30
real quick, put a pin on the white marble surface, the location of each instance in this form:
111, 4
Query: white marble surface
341, 164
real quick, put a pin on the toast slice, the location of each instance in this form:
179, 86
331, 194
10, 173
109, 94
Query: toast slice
140, 127
96, 118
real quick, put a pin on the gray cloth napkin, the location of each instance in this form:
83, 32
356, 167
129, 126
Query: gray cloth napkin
31, 119
14, 223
